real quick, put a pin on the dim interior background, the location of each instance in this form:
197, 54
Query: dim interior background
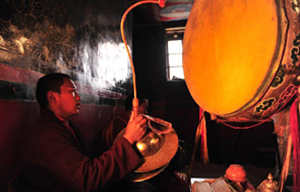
82, 38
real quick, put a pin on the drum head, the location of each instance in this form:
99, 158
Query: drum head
231, 52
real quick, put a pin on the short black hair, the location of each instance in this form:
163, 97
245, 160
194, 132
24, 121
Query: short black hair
49, 82
128, 102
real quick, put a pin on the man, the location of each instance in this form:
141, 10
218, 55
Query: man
53, 156
105, 138
167, 180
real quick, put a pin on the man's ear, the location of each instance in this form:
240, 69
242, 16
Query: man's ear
51, 96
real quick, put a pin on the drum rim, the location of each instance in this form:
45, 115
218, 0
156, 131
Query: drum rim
274, 66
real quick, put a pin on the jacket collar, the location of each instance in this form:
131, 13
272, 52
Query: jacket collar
47, 113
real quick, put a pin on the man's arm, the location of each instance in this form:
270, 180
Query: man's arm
53, 153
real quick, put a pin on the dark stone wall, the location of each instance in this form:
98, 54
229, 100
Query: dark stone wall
79, 37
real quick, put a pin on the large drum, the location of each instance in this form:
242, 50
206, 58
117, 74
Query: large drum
241, 57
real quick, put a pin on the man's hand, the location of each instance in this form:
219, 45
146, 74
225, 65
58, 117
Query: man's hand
136, 128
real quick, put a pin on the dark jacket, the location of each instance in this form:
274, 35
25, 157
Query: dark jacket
166, 181
53, 160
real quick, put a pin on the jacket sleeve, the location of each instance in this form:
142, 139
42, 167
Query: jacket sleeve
69, 166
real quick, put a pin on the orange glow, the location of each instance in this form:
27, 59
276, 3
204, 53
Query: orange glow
230, 52
141, 146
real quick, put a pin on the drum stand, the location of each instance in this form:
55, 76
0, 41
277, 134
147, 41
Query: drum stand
200, 133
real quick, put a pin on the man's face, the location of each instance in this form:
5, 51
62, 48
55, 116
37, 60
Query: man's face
68, 101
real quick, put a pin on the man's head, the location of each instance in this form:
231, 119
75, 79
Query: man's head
57, 92
143, 103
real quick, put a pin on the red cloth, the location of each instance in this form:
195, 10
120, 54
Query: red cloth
66, 124
52, 159
294, 123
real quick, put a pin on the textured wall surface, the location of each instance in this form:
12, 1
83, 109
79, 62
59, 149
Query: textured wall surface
79, 37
